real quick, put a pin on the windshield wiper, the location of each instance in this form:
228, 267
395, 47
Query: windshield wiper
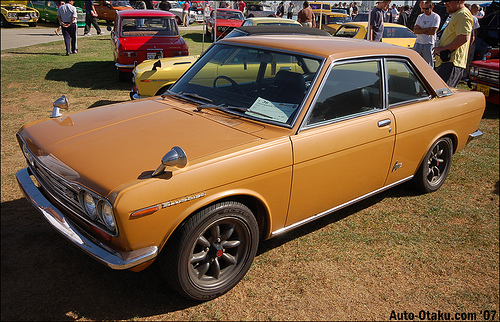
184, 95
234, 108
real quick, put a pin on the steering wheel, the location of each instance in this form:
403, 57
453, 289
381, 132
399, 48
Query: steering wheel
233, 83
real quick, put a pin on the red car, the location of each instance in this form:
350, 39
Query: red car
227, 20
483, 76
139, 35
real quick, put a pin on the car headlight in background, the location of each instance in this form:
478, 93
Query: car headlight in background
474, 71
34, 15
12, 15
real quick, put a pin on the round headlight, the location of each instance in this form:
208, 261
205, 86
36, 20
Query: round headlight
89, 205
474, 71
28, 156
106, 214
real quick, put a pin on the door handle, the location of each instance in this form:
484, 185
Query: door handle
384, 123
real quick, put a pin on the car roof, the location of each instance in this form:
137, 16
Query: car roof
364, 24
282, 30
144, 13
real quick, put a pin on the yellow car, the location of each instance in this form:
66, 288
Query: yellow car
269, 21
154, 77
393, 33
331, 21
18, 12
263, 134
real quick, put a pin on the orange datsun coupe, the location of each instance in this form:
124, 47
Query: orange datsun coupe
261, 135
138, 35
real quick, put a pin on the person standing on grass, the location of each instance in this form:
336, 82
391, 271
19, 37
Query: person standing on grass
67, 15
426, 27
90, 18
377, 20
451, 54
185, 14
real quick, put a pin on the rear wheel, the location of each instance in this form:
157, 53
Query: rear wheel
212, 251
435, 166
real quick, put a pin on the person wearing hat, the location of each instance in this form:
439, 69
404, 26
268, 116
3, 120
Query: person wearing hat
377, 20
451, 54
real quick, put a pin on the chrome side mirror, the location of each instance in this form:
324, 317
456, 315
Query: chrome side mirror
174, 158
61, 102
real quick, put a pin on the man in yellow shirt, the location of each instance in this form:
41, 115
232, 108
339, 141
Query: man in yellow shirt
455, 39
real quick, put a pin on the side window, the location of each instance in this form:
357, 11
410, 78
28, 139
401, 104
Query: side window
403, 84
351, 89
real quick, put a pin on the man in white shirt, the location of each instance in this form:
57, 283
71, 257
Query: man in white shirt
426, 27
66, 15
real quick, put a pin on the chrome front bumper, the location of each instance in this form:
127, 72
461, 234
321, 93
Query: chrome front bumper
80, 238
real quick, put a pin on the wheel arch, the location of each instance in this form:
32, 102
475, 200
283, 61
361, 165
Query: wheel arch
164, 88
251, 200
454, 140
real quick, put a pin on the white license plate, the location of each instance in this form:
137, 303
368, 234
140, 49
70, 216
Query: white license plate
484, 88
25, 20
152, 55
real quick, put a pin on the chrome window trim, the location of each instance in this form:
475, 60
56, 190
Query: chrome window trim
414, 71
303, 126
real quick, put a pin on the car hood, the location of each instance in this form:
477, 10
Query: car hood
489, 63
108, 147
145, 69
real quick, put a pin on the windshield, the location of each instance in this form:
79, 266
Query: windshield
154, 26
256, 83
317, 6
336, 20
347, 31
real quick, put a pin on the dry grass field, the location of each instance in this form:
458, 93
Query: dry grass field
396, 252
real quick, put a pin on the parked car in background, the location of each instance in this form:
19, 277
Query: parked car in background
259, 10
362, 16
154, 77
260, 21
393, 33
340, 10
14, 12
484, 77
225, 20
201, 9
331, 21
138, 35
106, 10
176, 9
48, 11
260, 136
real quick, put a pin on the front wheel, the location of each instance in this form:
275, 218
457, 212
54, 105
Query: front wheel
212, 251
32, 24
435, 166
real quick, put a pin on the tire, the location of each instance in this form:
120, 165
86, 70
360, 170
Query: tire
211, 252
212, 35
435, 167
5, 23
32, 24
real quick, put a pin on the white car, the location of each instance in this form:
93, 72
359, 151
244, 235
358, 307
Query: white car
176, 9
260, 10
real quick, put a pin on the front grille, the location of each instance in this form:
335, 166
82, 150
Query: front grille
488, 75
60, 189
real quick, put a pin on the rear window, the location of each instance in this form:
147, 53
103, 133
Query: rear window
396, 32
153, 26
347, 31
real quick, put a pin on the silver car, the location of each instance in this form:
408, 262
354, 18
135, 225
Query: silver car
260, 10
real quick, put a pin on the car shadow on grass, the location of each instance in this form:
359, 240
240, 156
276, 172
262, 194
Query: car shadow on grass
43, 277
91, 75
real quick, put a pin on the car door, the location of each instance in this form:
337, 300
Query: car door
344, 148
